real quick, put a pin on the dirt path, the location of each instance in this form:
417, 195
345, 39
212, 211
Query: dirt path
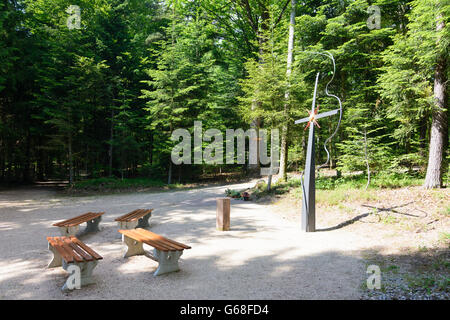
264, 256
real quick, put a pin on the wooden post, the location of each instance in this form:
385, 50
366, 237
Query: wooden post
223, 214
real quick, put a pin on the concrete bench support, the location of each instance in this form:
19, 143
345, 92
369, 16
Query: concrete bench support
168, 261
128, 224
134, 247
86, 269
76, 258
69, 231
56, 259
136, 219
144, 221
92, 225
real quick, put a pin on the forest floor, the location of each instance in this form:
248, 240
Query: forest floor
264, 256
403, 231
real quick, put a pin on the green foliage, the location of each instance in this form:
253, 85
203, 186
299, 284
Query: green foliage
103, 100
406, 82
232, 193
380, 180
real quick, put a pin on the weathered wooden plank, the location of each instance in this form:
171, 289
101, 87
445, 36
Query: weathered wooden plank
79, 219
94, 254
134, 215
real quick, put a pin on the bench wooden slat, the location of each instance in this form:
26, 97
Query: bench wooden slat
161, 238
154, 240
134, 215
158, 245
84, 218
86, 256
62, 251
126, 216
79, 219
150, 236
68, 256
94, 254
71, 249
72, 220
73, 256
76, 256
142, 238
139, 214
139, 237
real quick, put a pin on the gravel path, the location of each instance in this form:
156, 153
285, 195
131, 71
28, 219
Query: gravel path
264, 256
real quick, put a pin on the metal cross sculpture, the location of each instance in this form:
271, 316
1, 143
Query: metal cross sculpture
308, 220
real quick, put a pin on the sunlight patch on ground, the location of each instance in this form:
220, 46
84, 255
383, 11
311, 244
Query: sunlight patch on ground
12, 269
8, 226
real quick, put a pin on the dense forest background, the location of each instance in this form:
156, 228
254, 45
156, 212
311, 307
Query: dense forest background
102, 100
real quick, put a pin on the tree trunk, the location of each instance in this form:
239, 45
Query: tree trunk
285, 127
254, 168
423, 126
366, 158
70, 160
110, 151
169, 179
439, 125
26, 169
151, 149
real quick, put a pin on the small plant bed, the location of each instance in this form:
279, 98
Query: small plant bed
423, 274
337, 188
404, 231
239, 195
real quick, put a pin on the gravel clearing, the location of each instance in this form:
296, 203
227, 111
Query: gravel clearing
263, 256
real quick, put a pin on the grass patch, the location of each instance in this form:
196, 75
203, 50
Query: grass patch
388, 219
377, 181
333, 190
392, 268
444, 237
428, 282
446, 212
337, 196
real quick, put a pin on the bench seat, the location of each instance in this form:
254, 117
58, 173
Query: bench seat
135, 219
70, 227
69, 252
166, 251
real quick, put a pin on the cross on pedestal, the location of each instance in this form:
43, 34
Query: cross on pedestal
308, 221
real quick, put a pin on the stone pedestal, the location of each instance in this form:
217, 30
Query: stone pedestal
223, 214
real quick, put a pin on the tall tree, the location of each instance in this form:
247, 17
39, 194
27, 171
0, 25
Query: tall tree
413, 82
285, 127
439, 124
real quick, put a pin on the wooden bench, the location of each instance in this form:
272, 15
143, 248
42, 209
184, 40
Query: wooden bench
70, 227
135, 219
69, 251
166, 252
